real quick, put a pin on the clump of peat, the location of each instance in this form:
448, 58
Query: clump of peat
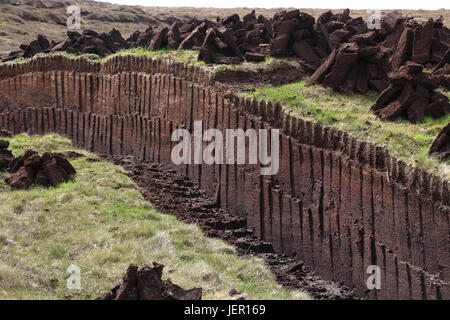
50, 169
441, 146
411, 95
146, 284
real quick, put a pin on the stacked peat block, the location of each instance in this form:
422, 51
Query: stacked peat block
90, 41
287, 34
228, 40
442, 71
355, 66
156, 38
192, 34
298, 34
441, 146
220, 47
424, 43
294, 35
440, 43
141, 38
47, 170
87, 42
146, 284
40, 45
410, 95
442, 76
360, 58
6, 155
231, 40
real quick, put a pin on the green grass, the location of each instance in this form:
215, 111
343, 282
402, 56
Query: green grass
186, 56
90, 56
351, 113
140, 52
101, 223
269, 64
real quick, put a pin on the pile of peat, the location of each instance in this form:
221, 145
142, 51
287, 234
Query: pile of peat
441, 146
146, 284
289, 34
173, 193
411, 94
50, 169
6, 155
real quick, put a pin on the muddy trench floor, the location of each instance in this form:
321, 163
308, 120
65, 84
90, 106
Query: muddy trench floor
173, 193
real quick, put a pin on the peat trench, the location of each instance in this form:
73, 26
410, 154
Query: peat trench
171, 192
339, 204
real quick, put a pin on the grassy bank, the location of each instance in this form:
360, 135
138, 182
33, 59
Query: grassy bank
351, 113
100, 222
